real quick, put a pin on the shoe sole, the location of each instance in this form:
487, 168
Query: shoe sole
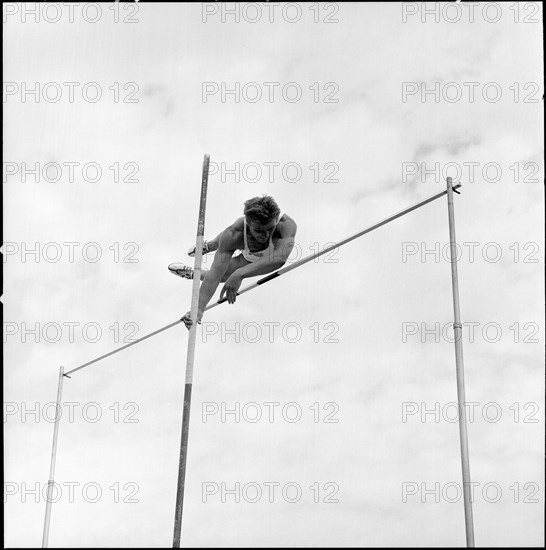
183, 273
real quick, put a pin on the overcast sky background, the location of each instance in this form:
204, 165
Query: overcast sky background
355, 364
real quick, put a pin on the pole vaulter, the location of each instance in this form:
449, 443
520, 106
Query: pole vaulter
191, 351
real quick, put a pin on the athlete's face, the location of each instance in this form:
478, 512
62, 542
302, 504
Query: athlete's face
261, 232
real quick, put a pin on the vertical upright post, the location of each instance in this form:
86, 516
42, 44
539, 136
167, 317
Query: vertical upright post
457, 327
190, 356
51, 480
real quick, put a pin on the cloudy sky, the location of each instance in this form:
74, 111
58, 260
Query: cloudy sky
340, 376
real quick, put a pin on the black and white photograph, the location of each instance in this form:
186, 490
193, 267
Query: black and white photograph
273, 274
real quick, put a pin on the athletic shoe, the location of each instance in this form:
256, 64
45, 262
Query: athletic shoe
184, 271
191, 251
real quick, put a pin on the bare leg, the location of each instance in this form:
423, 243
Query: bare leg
235, 263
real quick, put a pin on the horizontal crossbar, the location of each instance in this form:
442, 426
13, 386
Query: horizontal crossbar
279, 272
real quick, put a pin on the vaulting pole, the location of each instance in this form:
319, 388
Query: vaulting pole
51, 481
190, 356
457, 327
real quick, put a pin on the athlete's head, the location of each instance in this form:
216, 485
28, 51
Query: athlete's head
262, 216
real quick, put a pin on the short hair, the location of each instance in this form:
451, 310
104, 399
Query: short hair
262, 209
